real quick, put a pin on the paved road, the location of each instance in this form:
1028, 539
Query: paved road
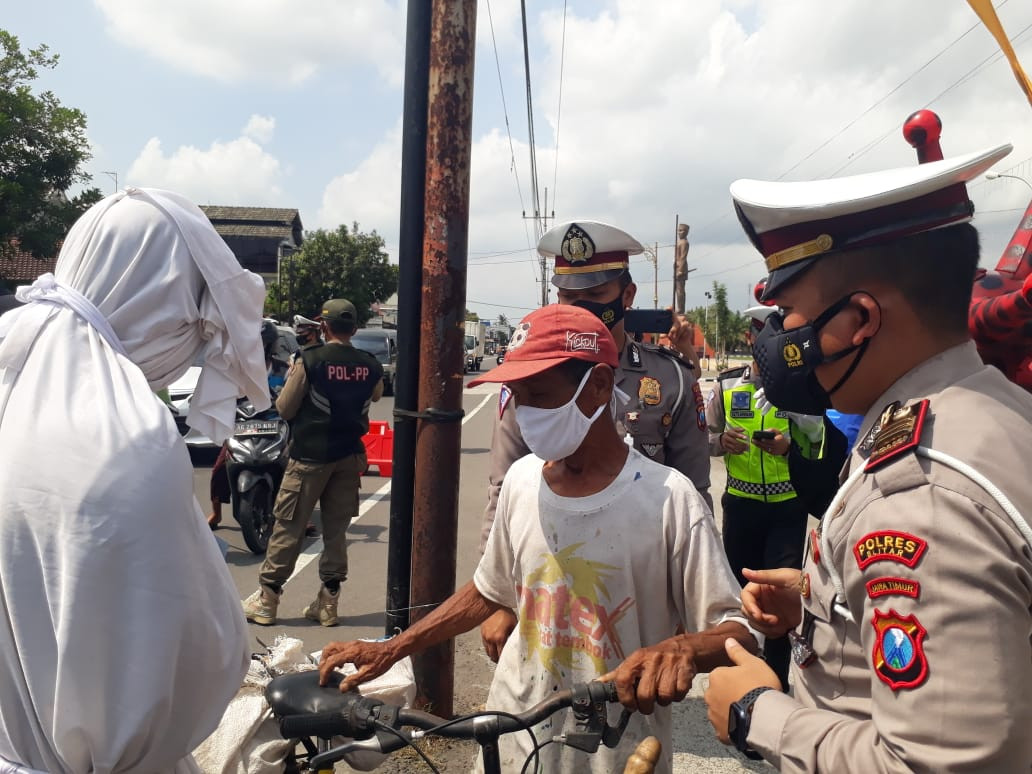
363, 596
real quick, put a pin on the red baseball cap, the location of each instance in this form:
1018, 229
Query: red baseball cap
552, 335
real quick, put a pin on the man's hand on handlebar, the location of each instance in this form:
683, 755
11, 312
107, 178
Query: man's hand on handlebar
659, 674
371, 659
495, 631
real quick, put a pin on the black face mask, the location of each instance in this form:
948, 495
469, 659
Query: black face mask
787, 361
609, 312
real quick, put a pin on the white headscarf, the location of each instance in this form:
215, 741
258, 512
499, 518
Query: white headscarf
122, 639
162, 284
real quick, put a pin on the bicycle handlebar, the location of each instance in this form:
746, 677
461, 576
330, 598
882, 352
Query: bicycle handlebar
362, 719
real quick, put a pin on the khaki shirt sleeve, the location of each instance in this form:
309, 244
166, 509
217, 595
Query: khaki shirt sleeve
507, 446
294, 390
687, 443
970, 710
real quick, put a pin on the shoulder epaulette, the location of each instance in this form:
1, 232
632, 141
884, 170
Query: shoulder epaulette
899, 431
668, 352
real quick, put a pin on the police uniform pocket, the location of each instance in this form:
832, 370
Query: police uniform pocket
289, 494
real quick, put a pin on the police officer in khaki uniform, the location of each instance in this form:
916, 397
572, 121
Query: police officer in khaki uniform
326, 401
665, 412
911, 617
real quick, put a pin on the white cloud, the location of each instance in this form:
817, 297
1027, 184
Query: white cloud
664, 104
276, 41
260, 128
369, 194
232, 172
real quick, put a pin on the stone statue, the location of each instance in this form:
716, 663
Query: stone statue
680, 266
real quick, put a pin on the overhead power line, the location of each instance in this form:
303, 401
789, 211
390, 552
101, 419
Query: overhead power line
892, 91
508, 131
972, 73
559, 109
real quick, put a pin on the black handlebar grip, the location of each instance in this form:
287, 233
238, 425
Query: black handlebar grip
324, 725
603, 691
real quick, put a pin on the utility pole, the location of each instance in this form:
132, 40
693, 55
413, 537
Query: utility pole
540, 227
673, 299
114, 176
435, 519
652, 255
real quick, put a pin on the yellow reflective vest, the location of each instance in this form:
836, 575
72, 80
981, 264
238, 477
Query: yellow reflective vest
755, 474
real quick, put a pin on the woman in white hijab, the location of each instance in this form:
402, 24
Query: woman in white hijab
121, 634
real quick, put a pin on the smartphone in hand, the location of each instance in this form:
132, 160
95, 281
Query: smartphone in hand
648, 320
763, 435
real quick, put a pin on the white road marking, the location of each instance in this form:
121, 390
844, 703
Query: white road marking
381, 494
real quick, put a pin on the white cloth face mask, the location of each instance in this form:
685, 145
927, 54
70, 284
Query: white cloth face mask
554, 434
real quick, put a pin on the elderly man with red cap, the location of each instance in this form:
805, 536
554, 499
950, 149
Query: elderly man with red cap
600, 550
912, 614
663, 417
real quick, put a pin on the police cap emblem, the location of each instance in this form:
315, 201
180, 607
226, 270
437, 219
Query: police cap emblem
577, 246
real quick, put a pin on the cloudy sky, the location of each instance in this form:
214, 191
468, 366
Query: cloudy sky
645, 111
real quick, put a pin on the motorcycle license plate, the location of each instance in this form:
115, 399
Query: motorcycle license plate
257, 428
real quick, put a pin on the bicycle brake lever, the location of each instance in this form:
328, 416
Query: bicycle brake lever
611, 735
592, 724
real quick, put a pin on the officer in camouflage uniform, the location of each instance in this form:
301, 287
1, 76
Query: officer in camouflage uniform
664, 415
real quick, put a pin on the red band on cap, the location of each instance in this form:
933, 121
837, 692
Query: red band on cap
881, 224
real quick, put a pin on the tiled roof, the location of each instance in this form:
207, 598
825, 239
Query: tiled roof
253, 230
266, 215
19, 266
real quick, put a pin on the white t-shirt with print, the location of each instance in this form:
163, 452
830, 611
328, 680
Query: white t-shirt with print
592, 579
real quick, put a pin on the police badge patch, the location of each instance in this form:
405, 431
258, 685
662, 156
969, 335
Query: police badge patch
899, 658
649, 391
577, 246
651, 449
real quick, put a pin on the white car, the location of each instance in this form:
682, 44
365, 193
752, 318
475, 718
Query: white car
182, 389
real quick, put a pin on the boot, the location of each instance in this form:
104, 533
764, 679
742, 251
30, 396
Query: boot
261, 606
324, 608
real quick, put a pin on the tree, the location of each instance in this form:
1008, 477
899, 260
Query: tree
333, 264
472, 316
717, 321
43, 146
503, 321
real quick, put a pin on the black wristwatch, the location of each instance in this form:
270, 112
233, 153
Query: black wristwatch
740, 718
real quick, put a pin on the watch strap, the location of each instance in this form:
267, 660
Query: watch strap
743, 709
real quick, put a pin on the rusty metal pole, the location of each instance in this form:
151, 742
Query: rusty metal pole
445, 243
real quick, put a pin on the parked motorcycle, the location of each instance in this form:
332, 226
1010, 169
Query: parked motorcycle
257, 459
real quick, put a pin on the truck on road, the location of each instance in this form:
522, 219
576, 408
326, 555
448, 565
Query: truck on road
476, 334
